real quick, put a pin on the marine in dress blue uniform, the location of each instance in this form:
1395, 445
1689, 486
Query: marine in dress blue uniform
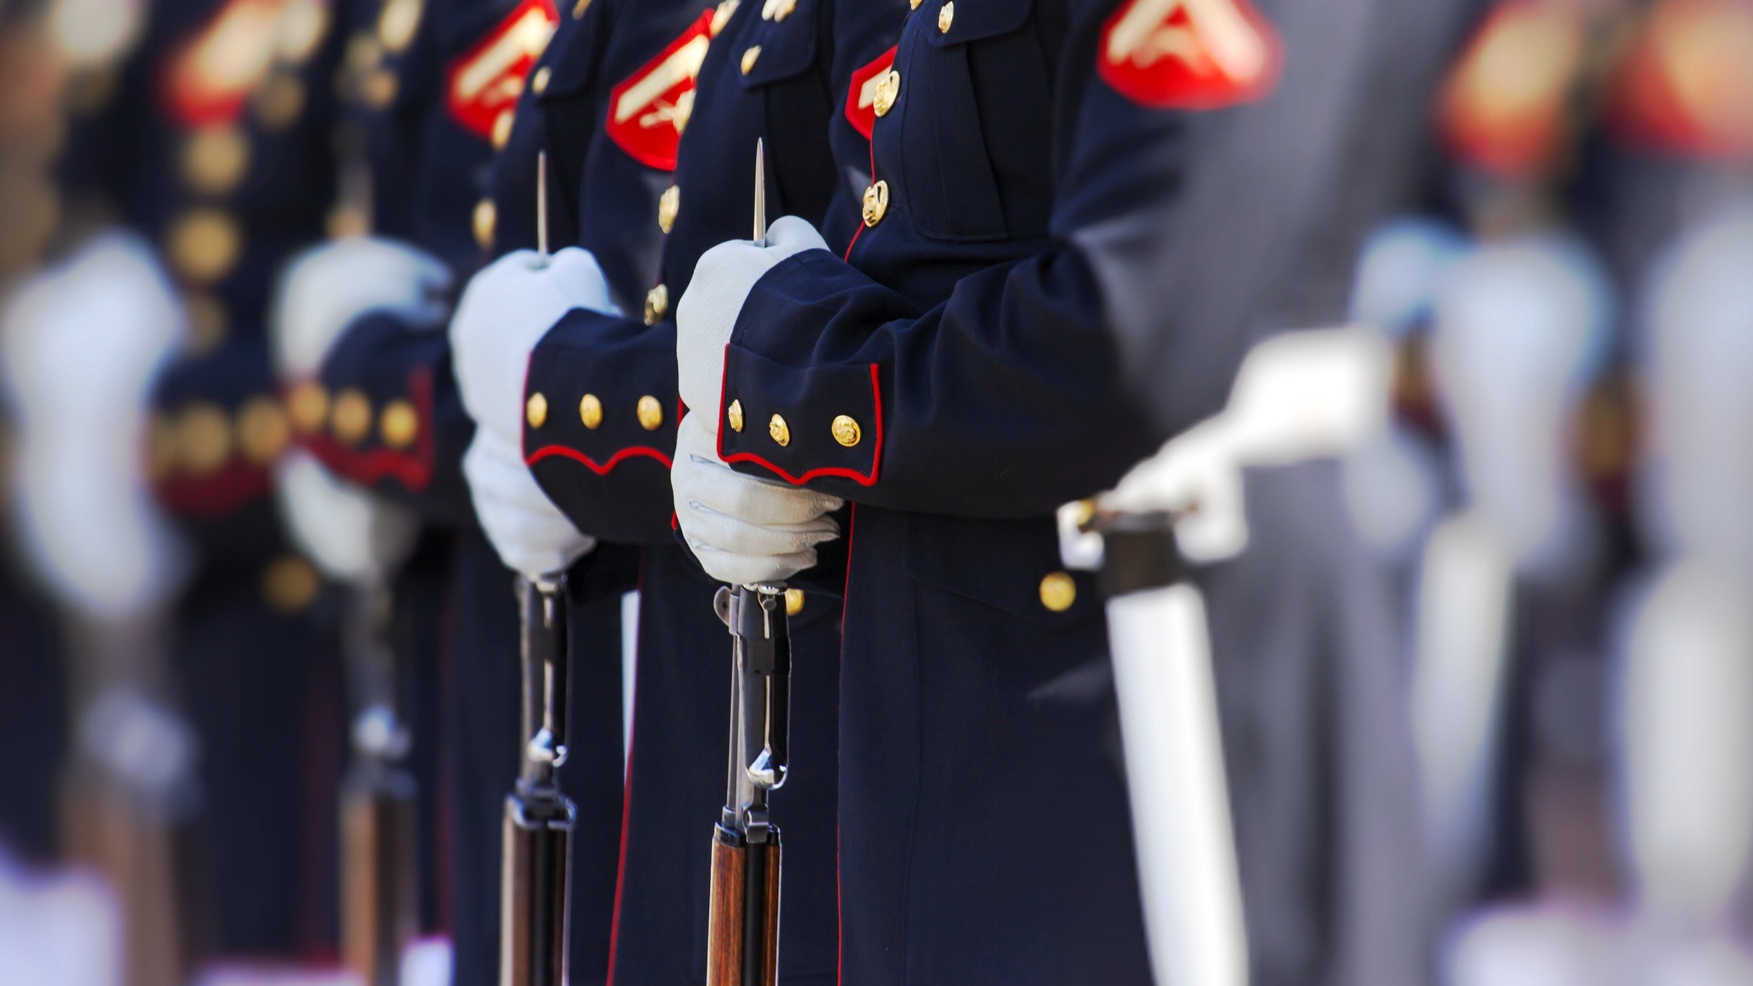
601, 405
226, 173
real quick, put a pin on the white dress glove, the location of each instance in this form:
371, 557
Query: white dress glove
530, 534
80, 346
352, 534
743, 529
505, 311
325, 288
707, 313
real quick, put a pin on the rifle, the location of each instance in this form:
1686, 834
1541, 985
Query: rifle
534, 875
743, 924
378, 872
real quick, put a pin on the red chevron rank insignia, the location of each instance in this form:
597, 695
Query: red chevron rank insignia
870, 85
648, 110
209, 78
1502, 107
1687, 85
486, 80
1189, 54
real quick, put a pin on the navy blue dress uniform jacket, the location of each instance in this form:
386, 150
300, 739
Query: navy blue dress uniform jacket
227, 176
781, 72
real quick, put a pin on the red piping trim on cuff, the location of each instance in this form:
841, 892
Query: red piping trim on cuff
561, 451
861, 479
216, 494
412, 469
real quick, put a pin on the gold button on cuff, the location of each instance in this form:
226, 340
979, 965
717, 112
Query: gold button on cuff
279, 101
668, 204
262, 430
793, 602
1058, 592
486, 218
350, 419
590, 411
657, 304
289, 583
887, 90
650, 413
396, 25
204, 244
502, 128
214, 159
540, 82
946, 15
721, 15
203, 438
749, 59
535, 410
780, 431
876, 203
846, 431
735, 414
399, 424
308, 406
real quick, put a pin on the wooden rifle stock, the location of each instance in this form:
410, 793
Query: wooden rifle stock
743, 944
538, 818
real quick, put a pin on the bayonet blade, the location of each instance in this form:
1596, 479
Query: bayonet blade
542, 205
760, 192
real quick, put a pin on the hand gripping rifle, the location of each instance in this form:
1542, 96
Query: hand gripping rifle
538, 817
743, 947
378, 872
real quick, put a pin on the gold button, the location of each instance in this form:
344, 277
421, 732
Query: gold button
302, 26
1058, 592
535, 410
846, 431
308, 405
876, 203
915, 3
207, 321
396, 25
650, 413
399, 424
780, 431
888, 88
203, 438
668, 204
793, 602
262, 430
204, 244
279, 101
736, 416
214, 159
502, 128
362, 55
379, 88
486, 218
657, 304
946, 15
540, 82
777, 10
749, 58
590, 411
289, 583
350, 418
579, 8
684, 111
721, 15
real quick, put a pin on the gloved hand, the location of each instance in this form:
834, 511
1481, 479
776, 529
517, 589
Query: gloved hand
353, 535
707, 313
350, 533
530, 534
326, 288
82, 344
505, 311
741, 528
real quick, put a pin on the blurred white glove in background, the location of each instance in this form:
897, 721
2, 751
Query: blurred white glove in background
81, 344
741, 528
504, 312
707, 313
352, 534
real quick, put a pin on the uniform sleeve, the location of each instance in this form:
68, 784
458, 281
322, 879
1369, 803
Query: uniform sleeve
1012, 396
